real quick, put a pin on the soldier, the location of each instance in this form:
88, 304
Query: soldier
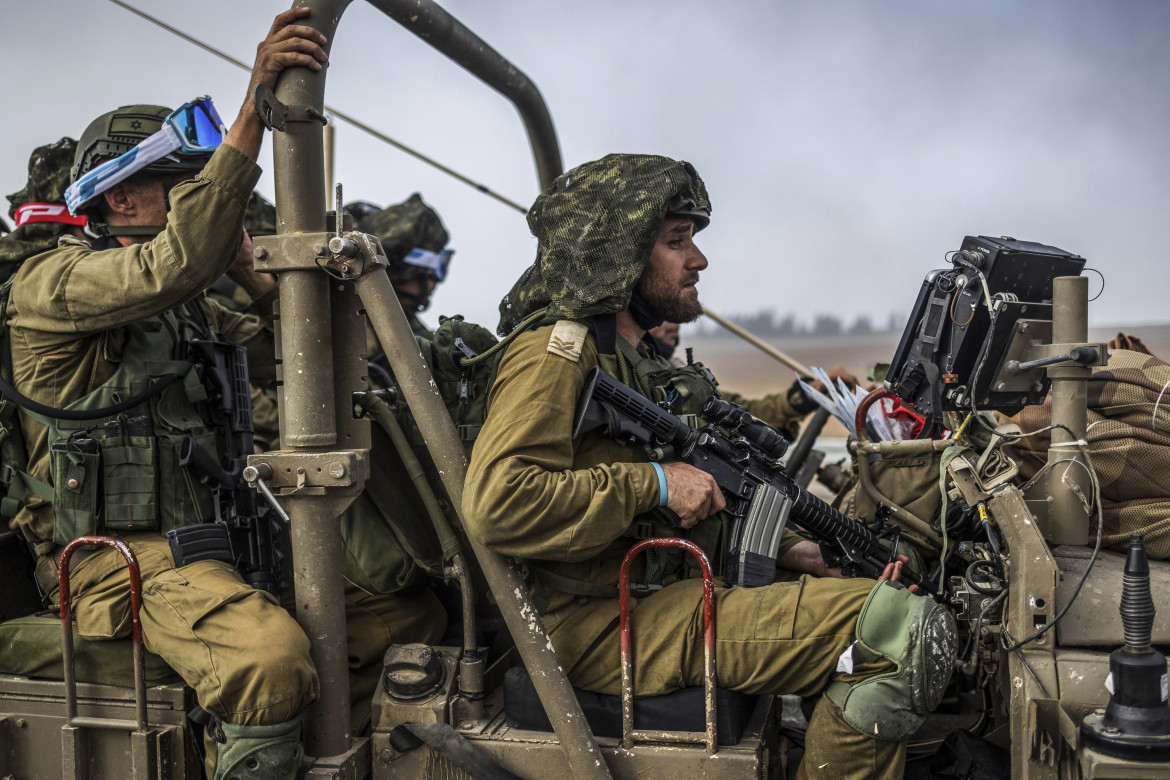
39, 209
615, 258
415, 243
93, 325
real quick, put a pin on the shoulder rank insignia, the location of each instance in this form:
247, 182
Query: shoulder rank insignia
567, 339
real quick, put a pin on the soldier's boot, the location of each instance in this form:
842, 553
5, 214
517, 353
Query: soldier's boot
260, 752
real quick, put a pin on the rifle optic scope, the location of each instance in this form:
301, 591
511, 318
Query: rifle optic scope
734, 417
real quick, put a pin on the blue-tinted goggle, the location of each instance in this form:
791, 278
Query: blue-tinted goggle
192, 128
435, 262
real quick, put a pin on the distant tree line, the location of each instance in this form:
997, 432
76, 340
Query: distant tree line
769, 322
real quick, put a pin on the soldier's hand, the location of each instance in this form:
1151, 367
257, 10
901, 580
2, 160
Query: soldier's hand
835, 373
893, 572
691, 494
243, 271
288, 45
805, 557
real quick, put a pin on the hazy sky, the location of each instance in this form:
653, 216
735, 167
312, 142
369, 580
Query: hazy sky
847, 146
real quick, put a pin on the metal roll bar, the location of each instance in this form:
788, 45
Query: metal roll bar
70, 673
73, 763
428, 21
629, 735
324, 464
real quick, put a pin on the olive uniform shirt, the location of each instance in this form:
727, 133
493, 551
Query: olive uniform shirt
533, 492
68, 306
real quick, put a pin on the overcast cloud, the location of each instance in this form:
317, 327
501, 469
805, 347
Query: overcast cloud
847, 146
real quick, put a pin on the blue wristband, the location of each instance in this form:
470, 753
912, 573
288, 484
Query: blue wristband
661, 484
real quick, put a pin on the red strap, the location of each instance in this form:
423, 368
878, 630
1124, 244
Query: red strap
47, 212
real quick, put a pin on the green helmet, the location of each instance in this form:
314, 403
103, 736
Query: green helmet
116, 132
48, 175
402, 227
360, 209
596, 226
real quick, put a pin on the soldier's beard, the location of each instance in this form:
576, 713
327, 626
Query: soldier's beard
672, 303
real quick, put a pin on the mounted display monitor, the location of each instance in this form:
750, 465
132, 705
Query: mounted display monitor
970, 319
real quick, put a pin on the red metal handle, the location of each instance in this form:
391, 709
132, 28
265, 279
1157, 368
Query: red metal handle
627, 640
67, 623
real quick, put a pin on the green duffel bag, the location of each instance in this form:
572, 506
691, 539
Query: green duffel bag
31, 647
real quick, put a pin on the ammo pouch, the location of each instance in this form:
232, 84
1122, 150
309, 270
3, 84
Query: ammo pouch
902, 473
104, 478
918, 636
124, 475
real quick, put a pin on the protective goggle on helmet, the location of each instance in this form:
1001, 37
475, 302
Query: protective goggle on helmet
193, 128
436, 263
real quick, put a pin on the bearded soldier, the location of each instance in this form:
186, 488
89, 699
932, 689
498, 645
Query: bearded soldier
616, 257
92, 326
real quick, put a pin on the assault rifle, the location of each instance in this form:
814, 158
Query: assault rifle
745, 463
246, 532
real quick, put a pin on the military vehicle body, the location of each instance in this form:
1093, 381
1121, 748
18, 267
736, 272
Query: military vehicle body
441, 711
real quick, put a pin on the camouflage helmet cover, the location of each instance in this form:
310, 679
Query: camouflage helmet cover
360, 209
595, 228
48, 176
402, 227
116, 132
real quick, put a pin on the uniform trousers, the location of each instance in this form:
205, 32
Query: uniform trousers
243, 654
784, 638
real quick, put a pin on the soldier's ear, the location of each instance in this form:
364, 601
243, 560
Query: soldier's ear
120, 199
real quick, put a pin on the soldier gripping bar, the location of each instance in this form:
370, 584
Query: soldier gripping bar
761, 498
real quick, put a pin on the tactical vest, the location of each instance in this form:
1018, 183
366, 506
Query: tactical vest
683, 391
122, 473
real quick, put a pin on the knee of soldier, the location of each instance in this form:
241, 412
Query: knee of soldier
903, 657
274, 679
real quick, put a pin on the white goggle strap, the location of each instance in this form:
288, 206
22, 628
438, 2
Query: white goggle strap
152, 149
432, 261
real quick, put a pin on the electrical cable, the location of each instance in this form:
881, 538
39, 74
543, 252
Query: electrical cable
1102, 290
1096, 485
